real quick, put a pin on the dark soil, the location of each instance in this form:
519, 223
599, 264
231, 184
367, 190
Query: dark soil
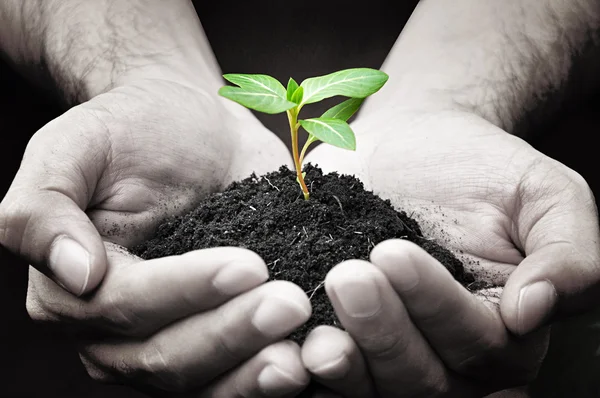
299, 240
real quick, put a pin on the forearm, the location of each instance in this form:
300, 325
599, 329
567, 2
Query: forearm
88, 47
505, 60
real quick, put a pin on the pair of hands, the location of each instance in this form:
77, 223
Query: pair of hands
104, 173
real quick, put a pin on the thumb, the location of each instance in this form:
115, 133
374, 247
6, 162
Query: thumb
560, 274
42, 216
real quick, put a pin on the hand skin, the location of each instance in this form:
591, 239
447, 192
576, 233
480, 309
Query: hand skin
202, 324
435, 141
147, 138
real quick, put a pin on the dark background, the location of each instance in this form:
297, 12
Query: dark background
282, 39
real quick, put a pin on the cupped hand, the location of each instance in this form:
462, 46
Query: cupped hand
115, 166
203, 323
518, 219
108, 171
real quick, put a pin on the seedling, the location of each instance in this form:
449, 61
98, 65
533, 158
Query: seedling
266, 94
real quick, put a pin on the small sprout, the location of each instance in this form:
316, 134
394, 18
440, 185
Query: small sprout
266, 94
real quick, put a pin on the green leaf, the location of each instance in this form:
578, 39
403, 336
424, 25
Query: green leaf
291, 87
354, 83
344, 110
263, 83
332, 131
259, 92
297, 96
259, 101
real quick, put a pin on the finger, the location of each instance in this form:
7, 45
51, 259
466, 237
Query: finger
335, 361
558, 228
42, 216
276, 371
467, 334
46, 301
398, 356
193, 351
139, 297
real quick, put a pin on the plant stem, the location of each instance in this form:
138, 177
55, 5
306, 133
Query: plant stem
304, 148
293, 119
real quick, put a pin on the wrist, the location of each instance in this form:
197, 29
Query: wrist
83, 77
135, 40
84, 48
513, 64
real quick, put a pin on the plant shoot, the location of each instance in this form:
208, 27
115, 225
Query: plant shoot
266, 94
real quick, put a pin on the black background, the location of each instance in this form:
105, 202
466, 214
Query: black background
283, 39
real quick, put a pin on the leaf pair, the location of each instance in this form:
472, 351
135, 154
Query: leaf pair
294, 92
266, 94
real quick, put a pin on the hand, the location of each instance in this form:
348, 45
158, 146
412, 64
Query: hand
201, 323
519, 218
115, 166
109, 170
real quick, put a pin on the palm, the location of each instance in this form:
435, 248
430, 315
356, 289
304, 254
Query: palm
163, 146
464, 180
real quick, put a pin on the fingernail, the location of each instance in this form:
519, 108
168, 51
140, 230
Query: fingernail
239, 277
536, 301
275, 382
278, 316
358, 295
334, 369
70, 264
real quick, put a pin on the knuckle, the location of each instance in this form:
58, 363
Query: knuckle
95, 372
156, 367
571, 181
434, 315
581, 189
227, 347
437, 387
383, 347
469, 365
577, 179
42, 302
116, 315
431, 384
222, 335
35, 309
14, 218
484, 350
494, 358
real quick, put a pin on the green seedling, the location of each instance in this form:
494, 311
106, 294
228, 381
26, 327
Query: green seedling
266, 94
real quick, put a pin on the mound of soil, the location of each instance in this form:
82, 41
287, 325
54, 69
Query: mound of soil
299, 240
